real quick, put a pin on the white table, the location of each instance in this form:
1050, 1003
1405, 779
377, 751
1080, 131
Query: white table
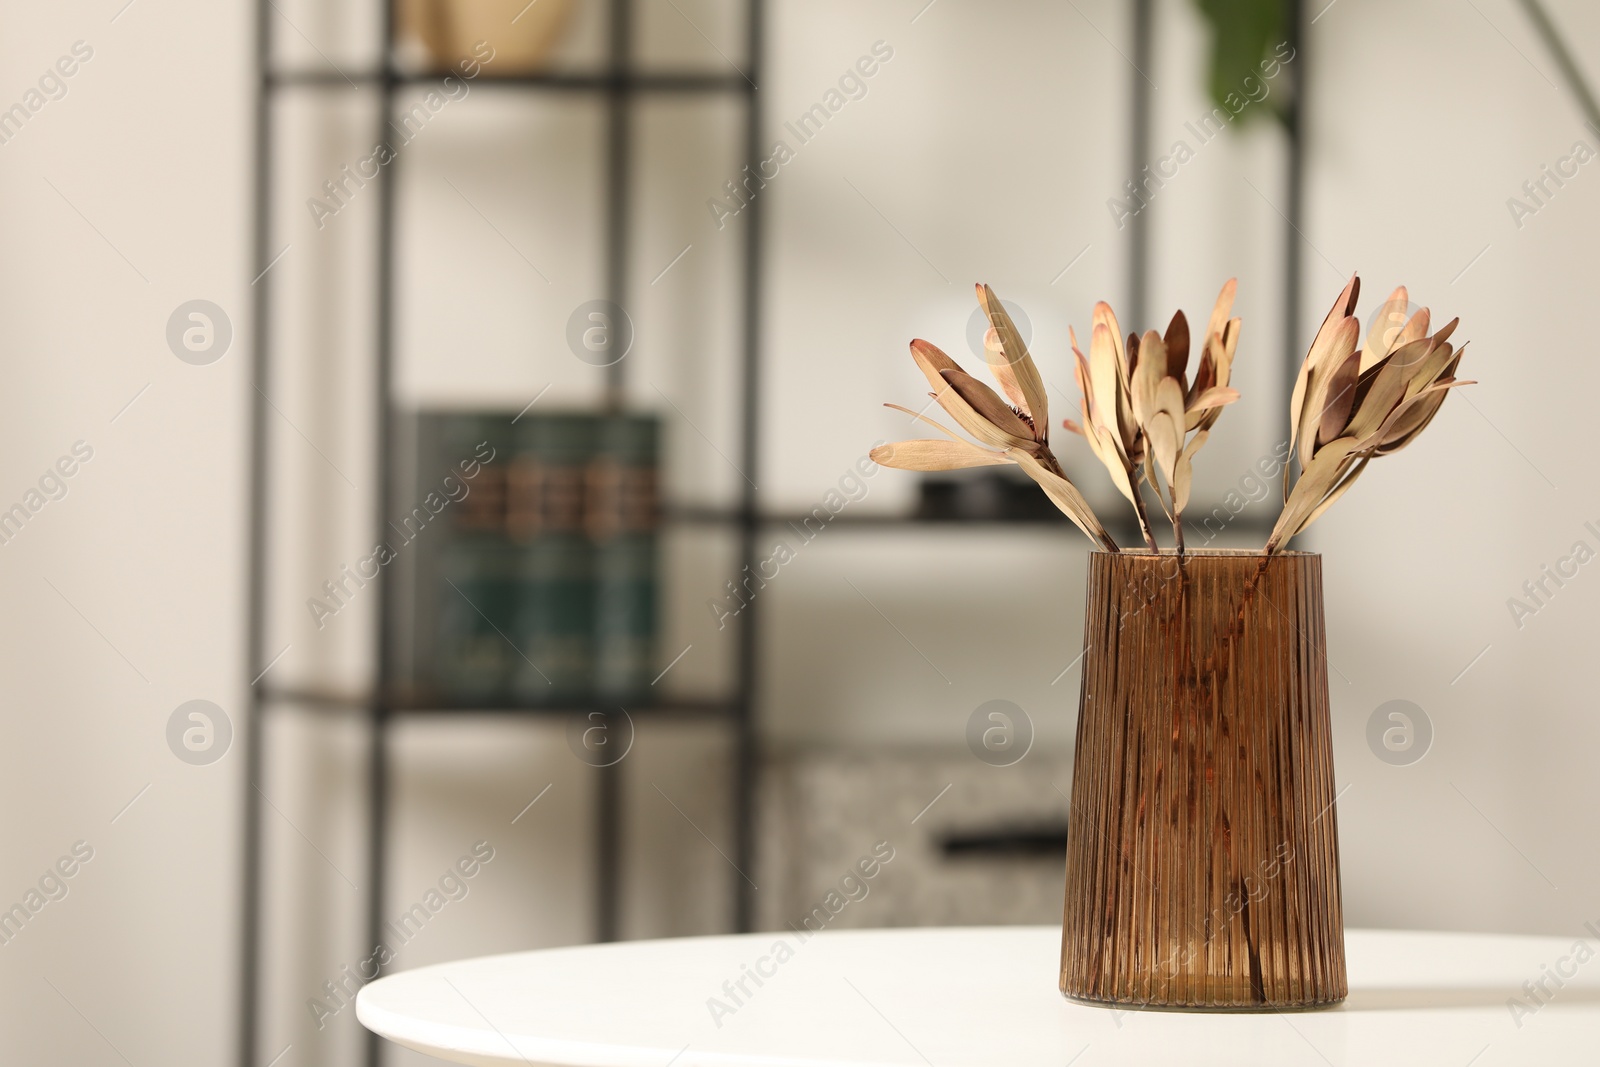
910, 998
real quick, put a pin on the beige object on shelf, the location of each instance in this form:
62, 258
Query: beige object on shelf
522, 34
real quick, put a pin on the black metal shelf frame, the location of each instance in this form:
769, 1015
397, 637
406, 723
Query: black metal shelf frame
621, 85
664, 81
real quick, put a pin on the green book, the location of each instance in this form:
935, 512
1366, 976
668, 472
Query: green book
555, 627
464, 605
623, 522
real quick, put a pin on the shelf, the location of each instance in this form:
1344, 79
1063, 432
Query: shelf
546, 81
1123, 529
412, 704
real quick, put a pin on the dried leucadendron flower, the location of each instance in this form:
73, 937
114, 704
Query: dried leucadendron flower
1350, 405
1017, 432
1140, 408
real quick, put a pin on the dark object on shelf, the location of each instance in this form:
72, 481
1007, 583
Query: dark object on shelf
982, 496
550, 560
463, 581
536, 582
1007, 842
1203, 864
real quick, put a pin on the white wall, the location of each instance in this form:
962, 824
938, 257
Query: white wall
984, 150
124, 597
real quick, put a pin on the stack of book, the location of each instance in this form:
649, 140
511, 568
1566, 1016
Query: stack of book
536, 581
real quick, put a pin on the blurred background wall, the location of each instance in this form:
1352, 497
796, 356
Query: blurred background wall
985, 149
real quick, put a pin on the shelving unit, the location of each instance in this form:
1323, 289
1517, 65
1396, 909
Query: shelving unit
382, 705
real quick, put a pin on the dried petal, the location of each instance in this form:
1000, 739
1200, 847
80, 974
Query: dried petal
1221, 310
923, 418
1330, 351
1011, 364
1166, 427
1413, 416
931, 361
1346, 481
1206, 407
1337, 315
1184, 474
1106, 384
1386, 327
987, 403
1318, 478
1064, 495
1341, 397
1104, 316
1177, 341
1386, 388
935, 455
1147, 375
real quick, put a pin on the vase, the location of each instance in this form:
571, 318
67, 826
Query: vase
1203, 853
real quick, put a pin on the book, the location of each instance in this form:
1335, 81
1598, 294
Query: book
534, 556
622, 520
465, 593
555, 586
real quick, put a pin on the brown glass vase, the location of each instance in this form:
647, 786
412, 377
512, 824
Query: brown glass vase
1203, 853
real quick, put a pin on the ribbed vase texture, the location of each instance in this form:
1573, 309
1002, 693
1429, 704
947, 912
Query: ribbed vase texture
1203, 855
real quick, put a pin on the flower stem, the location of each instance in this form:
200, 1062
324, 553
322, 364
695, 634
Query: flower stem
1144, 519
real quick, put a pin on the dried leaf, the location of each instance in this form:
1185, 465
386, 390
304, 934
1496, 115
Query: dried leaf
1150, 480
1104, 316
1415, 329
1148, 373
931, 361
1340, 311
1386, 388
1329, 352
1177, 341
1339, 491
1166, 427
1437, 364
1206, 404
1205, 375
1412, 417
1015, 368
1340, 399
1316, 481
1064, 495
1111, 458
923, 418
1184, 474
1220, 355
986, 403
1386, 326
1106, 385
1222, 309
935, 455
1230, 342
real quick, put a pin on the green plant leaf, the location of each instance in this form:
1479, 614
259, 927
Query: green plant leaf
1243, 32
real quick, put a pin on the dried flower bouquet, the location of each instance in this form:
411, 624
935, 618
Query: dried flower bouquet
1144, 418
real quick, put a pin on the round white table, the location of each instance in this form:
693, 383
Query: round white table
947, 997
